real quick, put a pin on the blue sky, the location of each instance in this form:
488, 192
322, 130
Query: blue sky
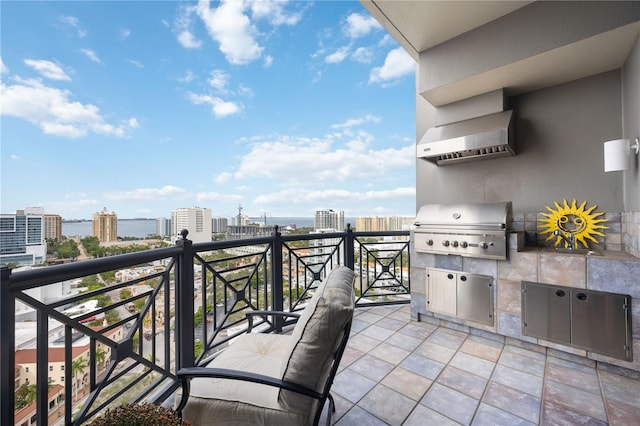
144, 107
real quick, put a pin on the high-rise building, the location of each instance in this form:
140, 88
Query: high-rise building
329, 219
53, 227
196, 220
323, 249
219, 225
105, 226
384, 223
22, 237
163, 226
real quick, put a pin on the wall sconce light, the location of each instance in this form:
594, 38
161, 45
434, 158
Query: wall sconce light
617, 154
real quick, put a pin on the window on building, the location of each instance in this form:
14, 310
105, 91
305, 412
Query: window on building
51, 368
62, 367
26, 369
52, 404
62, 378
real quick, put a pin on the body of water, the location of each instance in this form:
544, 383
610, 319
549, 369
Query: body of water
140, 228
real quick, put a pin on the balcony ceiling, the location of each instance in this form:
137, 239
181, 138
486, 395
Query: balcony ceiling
421, 25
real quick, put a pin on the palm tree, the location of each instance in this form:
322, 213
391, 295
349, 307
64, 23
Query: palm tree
77, 366
101, 355
31, 393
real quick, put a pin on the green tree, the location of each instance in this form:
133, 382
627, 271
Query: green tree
109, 276
77, 366
101, 356
25, 395
52, 245
68, 249
125, 293
198, 347
91, 245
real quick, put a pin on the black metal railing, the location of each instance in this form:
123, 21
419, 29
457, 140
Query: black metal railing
117, 329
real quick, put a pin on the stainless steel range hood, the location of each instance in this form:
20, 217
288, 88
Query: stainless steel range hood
489, 136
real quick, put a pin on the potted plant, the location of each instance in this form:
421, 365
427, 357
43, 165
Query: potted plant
139, 415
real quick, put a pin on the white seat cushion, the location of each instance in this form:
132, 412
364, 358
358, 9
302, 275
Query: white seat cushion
235, 402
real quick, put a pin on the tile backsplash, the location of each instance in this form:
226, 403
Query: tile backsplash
622, 233
631, 233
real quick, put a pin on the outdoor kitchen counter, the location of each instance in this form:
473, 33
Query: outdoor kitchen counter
603, 254
613, 272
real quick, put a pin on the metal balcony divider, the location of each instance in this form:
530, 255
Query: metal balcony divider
234, 276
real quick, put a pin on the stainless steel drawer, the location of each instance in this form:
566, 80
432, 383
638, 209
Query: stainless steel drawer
475, 298
460, 294
546, 312
595, 321
599, 322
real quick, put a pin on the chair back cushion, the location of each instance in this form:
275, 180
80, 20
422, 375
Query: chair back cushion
317, 336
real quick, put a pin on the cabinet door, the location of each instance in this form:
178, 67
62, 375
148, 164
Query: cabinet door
600, 322
475, 298
546, 312
441, 295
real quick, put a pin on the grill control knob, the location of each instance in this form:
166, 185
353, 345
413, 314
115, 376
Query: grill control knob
463, 244
484, 245
445, 243
430, 242
454, 243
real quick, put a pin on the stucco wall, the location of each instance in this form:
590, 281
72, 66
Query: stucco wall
631, 125
559, 139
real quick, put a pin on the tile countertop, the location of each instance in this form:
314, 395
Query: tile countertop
604, 254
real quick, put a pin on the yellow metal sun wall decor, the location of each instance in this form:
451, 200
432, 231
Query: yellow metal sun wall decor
572, 220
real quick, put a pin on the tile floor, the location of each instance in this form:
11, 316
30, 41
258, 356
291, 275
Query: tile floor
401, 372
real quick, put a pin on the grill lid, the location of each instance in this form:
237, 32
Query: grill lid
493, 216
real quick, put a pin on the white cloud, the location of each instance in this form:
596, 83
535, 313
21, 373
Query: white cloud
14, 157
182, 27
323, 160
397, 64
231, 28
188, 77
136, 63
54, 111
245, 91
219, 80
147, 194
217, 197
369, 118
3, 67
69, 20
73, 22
47, 69
268, 61
71, 206
91, 55
219, 107
337, 56
360, 25
274, 12
364, 55
125, 33
188, 40
301, 195
223, 178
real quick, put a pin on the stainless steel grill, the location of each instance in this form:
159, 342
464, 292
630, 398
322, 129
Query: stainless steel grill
472, 229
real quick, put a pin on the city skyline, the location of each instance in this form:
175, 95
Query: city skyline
147, 107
